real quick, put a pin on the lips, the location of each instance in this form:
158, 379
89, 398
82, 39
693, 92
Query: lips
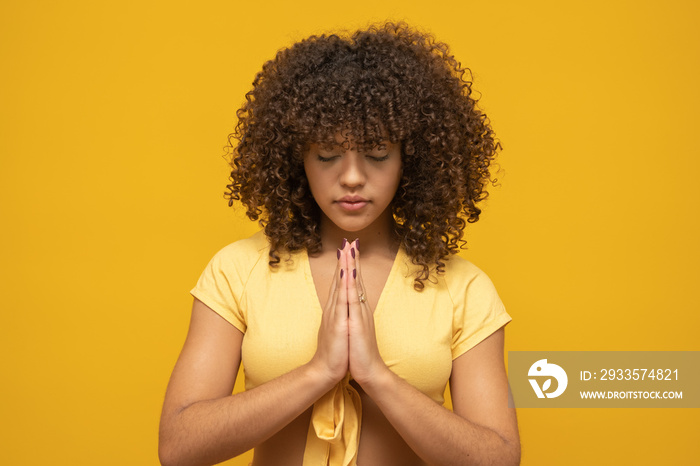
352, 203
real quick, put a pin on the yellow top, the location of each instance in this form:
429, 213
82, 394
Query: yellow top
418, 333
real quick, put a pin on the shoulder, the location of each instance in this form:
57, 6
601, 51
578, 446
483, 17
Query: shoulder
251, 248
242, 255
462, 276
223, 283
458, 276
477, 308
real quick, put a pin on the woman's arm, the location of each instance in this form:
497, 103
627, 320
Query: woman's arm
481, 430
202, 423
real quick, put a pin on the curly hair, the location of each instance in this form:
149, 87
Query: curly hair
386, 82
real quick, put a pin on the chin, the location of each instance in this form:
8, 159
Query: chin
353, 227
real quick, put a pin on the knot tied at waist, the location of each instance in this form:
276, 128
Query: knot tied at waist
334, 431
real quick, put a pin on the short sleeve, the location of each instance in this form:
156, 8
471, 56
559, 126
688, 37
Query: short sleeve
221, 286
478, 311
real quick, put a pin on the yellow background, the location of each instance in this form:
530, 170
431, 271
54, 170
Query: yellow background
113, 116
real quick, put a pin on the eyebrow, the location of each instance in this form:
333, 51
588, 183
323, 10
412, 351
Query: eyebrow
380, 146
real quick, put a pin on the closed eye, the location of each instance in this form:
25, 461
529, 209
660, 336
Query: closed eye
378, 159
327, 159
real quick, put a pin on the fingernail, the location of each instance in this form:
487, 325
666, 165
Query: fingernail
338, 253
341, 273
354, 273
352, 252
357, 244
345, 241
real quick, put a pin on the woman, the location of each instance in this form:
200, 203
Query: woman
347, 346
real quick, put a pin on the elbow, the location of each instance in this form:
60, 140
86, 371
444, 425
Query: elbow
175, 452
504, 453
169, 454
169, 457
509, 448
512, 450
166, 454
171, 448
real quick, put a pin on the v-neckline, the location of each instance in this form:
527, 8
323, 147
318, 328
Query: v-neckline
309, 278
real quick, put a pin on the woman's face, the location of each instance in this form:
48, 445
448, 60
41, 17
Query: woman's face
352, 188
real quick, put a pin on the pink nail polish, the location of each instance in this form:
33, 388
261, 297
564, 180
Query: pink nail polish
354, 273
341, 273
352, 252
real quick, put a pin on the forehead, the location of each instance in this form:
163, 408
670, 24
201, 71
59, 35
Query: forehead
348, 140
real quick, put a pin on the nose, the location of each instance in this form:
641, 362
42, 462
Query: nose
352, 170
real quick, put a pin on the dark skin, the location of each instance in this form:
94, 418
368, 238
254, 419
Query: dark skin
202, 423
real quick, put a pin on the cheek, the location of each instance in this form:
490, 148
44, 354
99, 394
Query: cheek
310, 176
315, 181
306, 171
397, 176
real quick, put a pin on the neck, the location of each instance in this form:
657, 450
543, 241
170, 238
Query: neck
377, 238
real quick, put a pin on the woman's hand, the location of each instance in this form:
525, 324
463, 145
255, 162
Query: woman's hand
346, 337
331, 357
364, 359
